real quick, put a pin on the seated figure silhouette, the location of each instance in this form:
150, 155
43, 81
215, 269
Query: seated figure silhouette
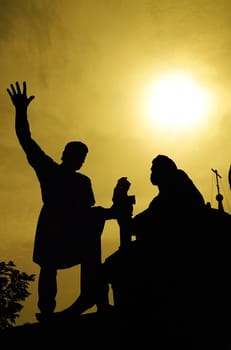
69, 225
155, 273
177, 268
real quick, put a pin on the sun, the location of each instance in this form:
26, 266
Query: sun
177, 102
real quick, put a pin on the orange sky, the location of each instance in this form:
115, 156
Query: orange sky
89, 63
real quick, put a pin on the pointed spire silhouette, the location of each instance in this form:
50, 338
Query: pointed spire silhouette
219, 196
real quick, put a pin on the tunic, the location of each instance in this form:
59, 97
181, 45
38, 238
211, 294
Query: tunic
62, 229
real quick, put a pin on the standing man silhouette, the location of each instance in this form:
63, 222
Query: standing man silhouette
69, 227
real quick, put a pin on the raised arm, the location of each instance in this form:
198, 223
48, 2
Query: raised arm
21, 102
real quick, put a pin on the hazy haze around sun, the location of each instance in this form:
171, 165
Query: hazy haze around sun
176, 101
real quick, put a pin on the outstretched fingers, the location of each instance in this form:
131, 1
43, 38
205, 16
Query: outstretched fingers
15, 91
18, 87
30, 99
24, 91
9, 92
24, 88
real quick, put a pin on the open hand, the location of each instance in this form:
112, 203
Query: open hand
19, 98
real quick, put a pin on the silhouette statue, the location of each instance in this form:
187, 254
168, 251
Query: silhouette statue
169, 271
123, 204
69, 226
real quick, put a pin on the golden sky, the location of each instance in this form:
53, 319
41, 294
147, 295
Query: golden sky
90, 65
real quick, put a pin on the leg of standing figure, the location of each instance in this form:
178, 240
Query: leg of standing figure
47, 290
93, 285
94, 291
88, 280
92, 277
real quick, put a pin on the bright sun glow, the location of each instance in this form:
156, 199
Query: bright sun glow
177, 102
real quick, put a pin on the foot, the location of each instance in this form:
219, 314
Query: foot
76, 309
44, 317
105, 309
